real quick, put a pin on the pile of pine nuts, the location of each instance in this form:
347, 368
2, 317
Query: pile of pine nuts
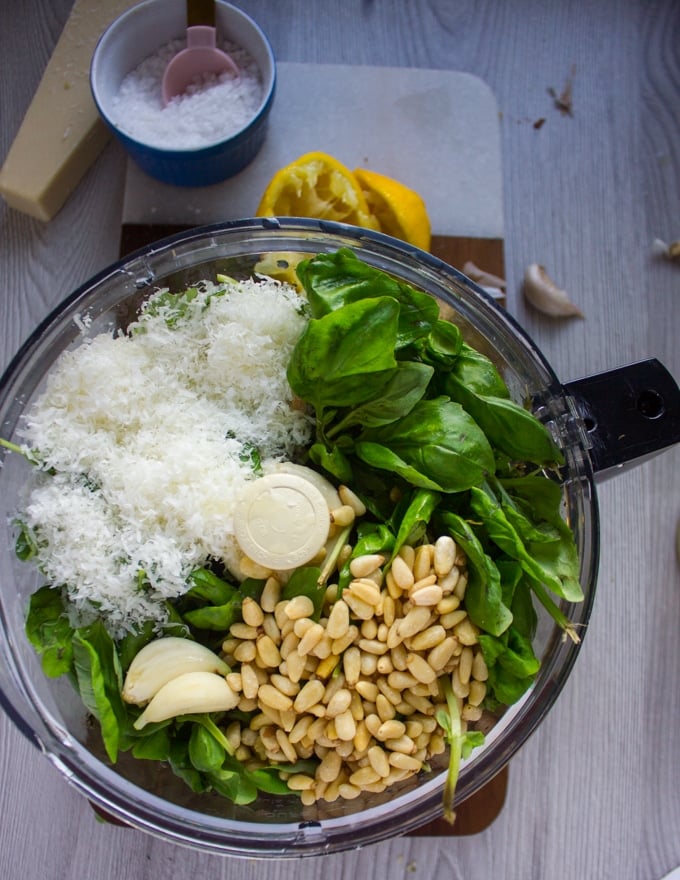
358, 691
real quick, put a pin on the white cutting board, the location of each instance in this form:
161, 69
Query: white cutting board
437, 131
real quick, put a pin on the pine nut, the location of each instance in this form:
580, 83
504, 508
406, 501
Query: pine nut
351, 664
471, 713
444, 555
401, 680
477, 692
461, 586
426, 581
373, 722
362, 566
299, 606
362, 610
362, 737
295, 666
366, 590
343, 642
289, 644
286, 747
428, 638
271, 628
373, 646
251, 569
343, 516
267, 651
368, 664
300, 728
271, 594
388, 610
338, 620
379, 761
364, 776
285, 685
466, 632
329, 768
369, 629
390, 729
384, 708
243, 631
393, 589
251, 612
327, 665
402, 743
323, 647
272, 697
245, 652
428, 595
399, 655
345, 726
453, 618
408, 554
479, 668
385, 666
447, 604
460, 689
352, 500
233, 679
393, 695
420, 669
404, 762
423, 561
440, 655
339, 703
249, 681
402, 574
310, 639
465, 665
310, 694
300, 782
415, 621
348, 791
366, 689
449, 581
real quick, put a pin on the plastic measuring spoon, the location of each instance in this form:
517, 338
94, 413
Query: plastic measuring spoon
201, 57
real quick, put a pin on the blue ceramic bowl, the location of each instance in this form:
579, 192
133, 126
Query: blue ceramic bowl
139, 33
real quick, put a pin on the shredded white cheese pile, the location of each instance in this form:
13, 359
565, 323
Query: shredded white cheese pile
144, 440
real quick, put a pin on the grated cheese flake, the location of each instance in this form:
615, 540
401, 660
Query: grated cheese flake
143, 441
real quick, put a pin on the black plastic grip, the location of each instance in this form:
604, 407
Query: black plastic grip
630, 413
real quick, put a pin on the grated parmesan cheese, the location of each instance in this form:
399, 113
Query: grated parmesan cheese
143, 436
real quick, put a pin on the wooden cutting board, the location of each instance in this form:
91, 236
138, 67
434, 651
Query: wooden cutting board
436, 131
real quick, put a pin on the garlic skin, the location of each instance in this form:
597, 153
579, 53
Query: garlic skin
481, 276
543, 294
160, 661
188, 693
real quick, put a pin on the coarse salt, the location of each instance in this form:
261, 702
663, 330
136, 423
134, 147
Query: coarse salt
211, 110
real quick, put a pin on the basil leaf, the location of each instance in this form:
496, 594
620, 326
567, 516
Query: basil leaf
415, 518
208, 586
397, 398
332, 460
333, 281
476, 372
438, 441
215, 617
484, 599
100, 680
49, 631
347, 356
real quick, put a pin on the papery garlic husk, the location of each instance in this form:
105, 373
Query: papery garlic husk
192, 692
160, 661
543, 294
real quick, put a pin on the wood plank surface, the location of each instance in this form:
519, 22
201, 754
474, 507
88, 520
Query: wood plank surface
595, 792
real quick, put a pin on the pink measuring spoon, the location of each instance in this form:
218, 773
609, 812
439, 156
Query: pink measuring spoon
200, 58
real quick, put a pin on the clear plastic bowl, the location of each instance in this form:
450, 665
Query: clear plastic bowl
50, 713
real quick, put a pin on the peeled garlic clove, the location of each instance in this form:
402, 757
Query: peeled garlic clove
160, 661
481, 276
188, 693
544, 295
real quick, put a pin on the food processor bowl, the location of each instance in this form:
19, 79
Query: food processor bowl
141, 794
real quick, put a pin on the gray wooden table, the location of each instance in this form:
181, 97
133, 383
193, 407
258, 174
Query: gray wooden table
595, 793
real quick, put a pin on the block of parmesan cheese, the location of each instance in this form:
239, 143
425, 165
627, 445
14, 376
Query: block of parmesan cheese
61, 134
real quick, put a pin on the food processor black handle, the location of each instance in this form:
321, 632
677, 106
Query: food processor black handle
630, 413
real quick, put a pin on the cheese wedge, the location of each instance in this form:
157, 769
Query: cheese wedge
61, 134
